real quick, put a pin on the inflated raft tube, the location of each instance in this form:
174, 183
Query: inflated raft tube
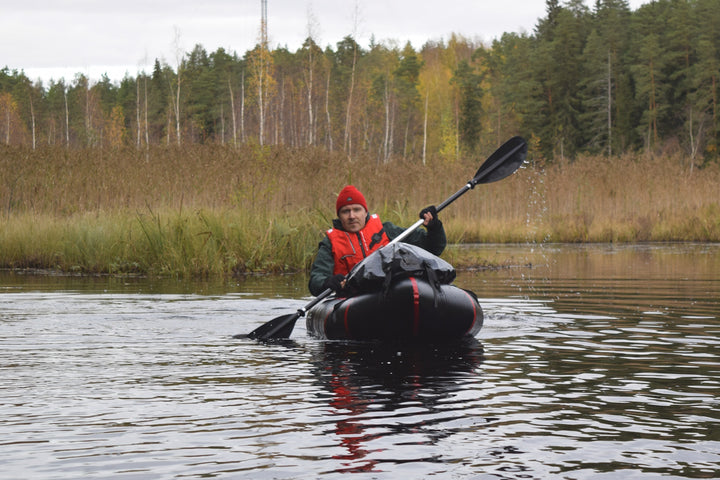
411, 309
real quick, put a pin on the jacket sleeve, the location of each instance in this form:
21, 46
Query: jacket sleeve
434, 240
322, 267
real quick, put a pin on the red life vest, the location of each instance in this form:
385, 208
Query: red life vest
350, 248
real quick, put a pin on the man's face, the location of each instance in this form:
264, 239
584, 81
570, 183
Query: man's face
352, 217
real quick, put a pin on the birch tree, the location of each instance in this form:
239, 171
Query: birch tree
175, 84
261, 83
311, 56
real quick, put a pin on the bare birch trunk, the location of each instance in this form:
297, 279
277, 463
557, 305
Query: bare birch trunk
311, 121
309, 76
348, 113
347, 143
177, 109
261, 105
280, 117
67, 118
405, 139
32, 116
88, 123
327, 114
391, 140
386, 140
137, 111
425, 122
147, 127
242, 108
232, 112
179, 62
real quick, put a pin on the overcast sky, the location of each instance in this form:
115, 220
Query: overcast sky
59, 38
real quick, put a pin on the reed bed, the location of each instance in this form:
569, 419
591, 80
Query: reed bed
206, 210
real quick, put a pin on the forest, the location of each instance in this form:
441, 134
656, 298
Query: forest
600, 80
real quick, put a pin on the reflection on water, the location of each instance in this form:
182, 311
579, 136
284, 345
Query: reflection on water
392, 402
598, 362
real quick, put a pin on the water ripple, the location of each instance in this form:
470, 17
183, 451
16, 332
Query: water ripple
594, 379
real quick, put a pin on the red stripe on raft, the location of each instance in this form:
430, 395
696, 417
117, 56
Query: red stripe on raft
416, 306
474, 304
345, 316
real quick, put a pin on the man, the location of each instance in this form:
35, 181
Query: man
356, 234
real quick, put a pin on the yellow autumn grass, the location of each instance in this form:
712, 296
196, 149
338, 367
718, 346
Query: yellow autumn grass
212, 210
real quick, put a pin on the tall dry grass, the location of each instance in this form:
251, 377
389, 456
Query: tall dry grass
207, 210
632, 198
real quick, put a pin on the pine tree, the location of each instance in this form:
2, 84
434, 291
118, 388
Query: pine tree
470, 125
649, 72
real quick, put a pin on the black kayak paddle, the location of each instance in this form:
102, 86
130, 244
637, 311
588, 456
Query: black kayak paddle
502, 163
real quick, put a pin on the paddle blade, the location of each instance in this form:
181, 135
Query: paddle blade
503, 162
280, 327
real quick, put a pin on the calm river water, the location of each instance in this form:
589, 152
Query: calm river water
595, 362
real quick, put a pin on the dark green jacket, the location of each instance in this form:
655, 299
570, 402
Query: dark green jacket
434, 241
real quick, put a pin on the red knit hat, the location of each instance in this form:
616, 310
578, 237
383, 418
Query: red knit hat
350, 196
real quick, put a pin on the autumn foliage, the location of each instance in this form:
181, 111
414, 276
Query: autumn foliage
605, 80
